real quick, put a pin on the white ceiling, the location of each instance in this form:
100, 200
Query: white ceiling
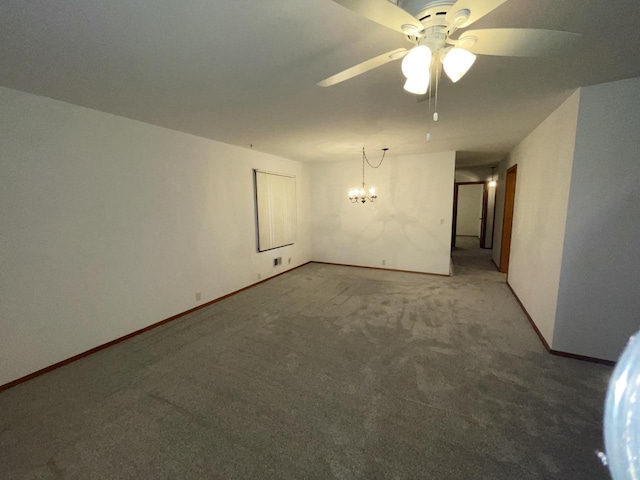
245, 71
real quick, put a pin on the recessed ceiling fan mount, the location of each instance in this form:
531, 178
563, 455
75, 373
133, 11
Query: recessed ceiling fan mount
432, 26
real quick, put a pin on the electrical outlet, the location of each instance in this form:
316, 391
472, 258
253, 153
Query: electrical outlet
277, 261
198, 296
384, 262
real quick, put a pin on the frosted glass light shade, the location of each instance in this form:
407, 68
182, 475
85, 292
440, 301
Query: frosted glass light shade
416, 63
622, 415
457, 62
417, 85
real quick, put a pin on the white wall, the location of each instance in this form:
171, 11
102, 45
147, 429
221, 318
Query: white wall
469, 210
474, 174
544, 162
599, 299
409, 226
110, 225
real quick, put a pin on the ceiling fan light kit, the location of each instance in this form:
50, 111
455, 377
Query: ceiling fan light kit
431, 26
417, 62
416, 68
457, 62
417, 85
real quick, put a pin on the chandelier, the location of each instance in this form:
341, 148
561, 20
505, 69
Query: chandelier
493, 183
360, 194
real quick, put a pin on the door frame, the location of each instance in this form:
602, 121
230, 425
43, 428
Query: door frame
483, 224
507, 217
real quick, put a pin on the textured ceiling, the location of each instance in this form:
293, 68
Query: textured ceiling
245, 72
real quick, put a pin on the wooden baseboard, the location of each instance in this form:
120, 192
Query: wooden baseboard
211, 302
546, 345
380, 268
584, 358
533, 324
91, 351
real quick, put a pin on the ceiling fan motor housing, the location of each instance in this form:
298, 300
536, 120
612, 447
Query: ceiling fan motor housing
428, 12
432, 14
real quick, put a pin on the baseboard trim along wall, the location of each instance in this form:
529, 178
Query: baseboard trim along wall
69, 360
533, 324
584, 358
546, 345
380, 268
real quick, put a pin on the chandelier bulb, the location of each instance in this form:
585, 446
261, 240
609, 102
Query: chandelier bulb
428, 137
435, 116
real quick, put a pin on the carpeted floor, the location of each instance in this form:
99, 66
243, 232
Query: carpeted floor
324, 372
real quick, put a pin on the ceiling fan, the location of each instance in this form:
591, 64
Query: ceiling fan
432, 26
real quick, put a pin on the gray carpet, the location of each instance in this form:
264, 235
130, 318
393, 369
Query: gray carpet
324, 372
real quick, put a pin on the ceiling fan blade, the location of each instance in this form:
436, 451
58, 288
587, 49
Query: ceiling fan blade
475, 10
363, 67
383, 12
519, 42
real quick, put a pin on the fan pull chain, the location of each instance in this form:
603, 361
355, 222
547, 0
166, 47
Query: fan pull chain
429, 117
435, 114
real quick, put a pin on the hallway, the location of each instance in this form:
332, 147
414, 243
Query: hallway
467, 255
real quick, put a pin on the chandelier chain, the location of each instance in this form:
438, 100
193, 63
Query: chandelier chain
364, 157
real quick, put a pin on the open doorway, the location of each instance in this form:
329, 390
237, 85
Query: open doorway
473, 213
